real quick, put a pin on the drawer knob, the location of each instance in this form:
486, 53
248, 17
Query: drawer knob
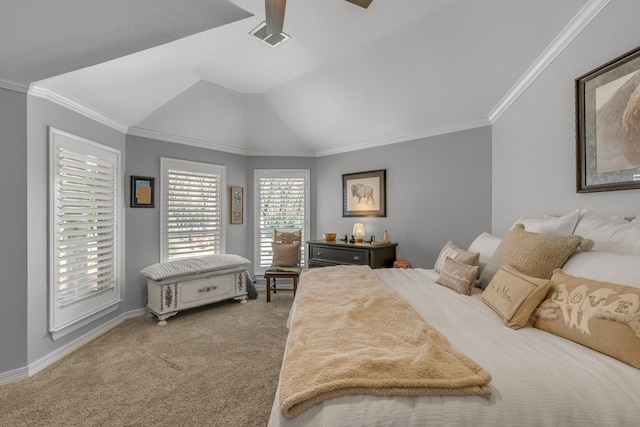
319, 253
356, 258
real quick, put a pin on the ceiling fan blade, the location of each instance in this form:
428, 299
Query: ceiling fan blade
361, 3
274, 10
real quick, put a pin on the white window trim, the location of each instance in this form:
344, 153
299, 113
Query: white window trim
165, 164
59, 326
283, 173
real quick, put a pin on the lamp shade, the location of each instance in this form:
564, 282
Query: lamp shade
358, 231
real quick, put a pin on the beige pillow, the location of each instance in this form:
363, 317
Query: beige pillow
287, 236
458, 276
599, 315
514, 295
450, 250
285, 254
535, 254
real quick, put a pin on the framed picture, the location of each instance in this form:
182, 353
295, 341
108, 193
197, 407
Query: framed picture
608, 126
364, 194
142, 194
237, 202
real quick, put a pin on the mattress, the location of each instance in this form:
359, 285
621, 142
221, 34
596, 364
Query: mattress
539, 379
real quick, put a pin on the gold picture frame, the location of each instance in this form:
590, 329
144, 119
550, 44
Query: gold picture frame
237, 205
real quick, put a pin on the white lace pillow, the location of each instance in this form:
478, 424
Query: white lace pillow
612, 234
551, 225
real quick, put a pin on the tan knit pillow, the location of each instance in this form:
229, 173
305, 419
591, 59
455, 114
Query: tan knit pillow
285, 254
599, 315
450, 250
535, 254
458, 276
514, 295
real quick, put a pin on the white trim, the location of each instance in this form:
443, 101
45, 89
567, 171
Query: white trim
371, 143
72, 105
35, 367
185, 140
7, 82
562, 40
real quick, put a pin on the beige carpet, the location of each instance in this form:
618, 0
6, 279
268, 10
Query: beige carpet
211, 366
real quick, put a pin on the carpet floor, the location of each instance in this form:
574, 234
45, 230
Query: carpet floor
211, 366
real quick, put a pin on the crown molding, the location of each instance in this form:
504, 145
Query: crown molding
372, 143
7, 82
70, 104
194, 142
562, 40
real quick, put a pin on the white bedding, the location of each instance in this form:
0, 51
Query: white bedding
538, 379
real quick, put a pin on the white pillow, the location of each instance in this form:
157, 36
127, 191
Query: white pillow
612, 234
551, 225
485, 244
622, 269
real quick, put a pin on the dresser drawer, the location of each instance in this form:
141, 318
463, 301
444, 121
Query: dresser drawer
210, 288
339, 255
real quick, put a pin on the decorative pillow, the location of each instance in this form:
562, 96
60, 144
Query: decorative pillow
606, 266
599, 315
450, 250
612, 234
285, 254
287, 236
535, 254
458, 276
485, 244
514, 295
551, 225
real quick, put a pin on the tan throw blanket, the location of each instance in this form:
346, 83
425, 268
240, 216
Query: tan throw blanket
352, 334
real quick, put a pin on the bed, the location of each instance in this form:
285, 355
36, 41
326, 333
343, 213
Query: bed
538, 377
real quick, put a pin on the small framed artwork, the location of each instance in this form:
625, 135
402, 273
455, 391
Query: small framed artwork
608, 126
364, 194
142, 194
237, 202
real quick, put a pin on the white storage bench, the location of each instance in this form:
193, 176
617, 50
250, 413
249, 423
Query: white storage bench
177, 285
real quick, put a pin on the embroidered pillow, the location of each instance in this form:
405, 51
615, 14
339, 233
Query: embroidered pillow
535, 254
287, 236
458, 276
514, 295
285, 254
450, 250
599, 315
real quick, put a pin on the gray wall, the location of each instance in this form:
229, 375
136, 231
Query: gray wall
534, 141
13, 230
41, 114
438, 189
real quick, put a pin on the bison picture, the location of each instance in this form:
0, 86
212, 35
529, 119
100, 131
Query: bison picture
361, 191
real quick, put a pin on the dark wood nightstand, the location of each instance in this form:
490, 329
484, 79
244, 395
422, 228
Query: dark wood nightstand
324, 253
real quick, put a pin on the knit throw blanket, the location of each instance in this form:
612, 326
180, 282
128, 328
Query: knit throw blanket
352, 334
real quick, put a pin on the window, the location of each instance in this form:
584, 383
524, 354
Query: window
192, 214
84, 238
282, 203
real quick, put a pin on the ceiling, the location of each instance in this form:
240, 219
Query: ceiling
348, 78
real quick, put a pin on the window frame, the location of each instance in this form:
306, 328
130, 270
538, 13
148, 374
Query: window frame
64, 319
189, 166
279, 173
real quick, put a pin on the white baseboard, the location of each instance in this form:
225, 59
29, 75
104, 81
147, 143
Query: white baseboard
26, 371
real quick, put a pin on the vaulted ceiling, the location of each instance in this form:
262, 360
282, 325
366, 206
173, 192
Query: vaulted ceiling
189, 71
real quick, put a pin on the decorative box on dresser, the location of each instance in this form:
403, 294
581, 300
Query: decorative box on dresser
323, 253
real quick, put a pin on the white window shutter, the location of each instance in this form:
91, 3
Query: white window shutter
193, 214
282, 204
84, 228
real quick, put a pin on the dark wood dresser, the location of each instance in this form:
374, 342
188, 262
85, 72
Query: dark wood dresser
324, 253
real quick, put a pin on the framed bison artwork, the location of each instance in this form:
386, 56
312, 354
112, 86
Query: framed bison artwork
364, 194
608, 126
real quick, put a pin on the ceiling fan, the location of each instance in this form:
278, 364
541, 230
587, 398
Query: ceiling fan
270, 31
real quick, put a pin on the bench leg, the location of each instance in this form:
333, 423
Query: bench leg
268, 289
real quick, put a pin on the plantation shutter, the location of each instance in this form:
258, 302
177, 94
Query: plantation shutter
84, 225
282, 204
193, 209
